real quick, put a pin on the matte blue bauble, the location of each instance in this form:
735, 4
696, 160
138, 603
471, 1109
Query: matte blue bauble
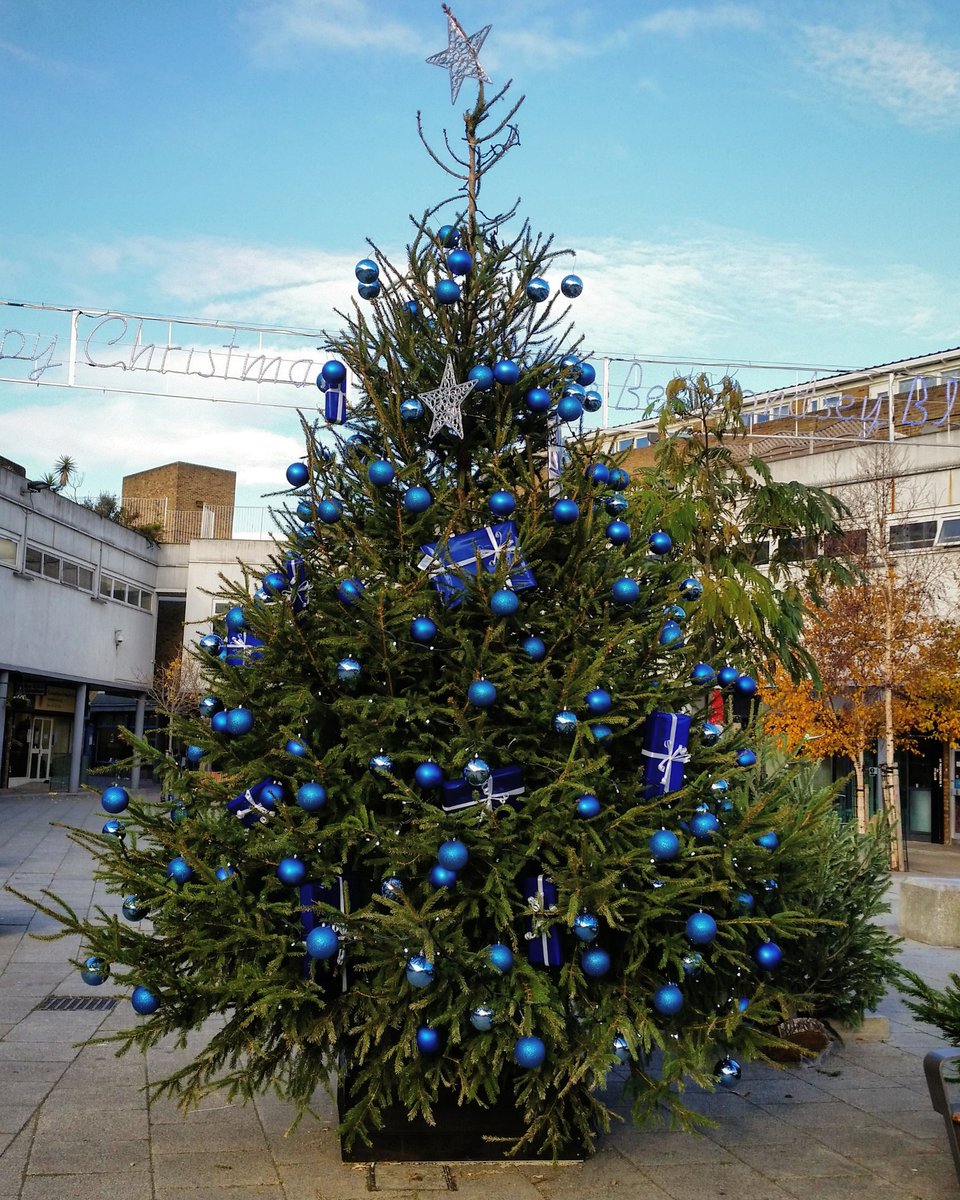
447, 291
334, 373
391, 888
459, 262
727, 1073
571, 286
501, 503
224, 873
595, 962
476, 772
212, 644
291, 871
619, 479
428, 1040
144, 1001
624, 591
350, 591
453, 855
701, 928
534, 648
380, 472
115, 799
411, 409
369, 291
419, 971
768, 956
481, 1018
621, 1050
746, 758
179, 870
529, 1053
618, 532
569, 408
703, 826
483, 376
668, 1000
235, 618
218, 722
616, 506
504, 602
538, 290
710, 733
239, 721
323, 942
274, 582
500, 957
538, 399
565, 722
702, 673
592, 401
599, 701
768, 841
296, 748
448, 235
423, 630
692, 964
506, 371
660, 542
745, 902
329, 511
381, 764
587, 375
588, 807
670, 634
428, 775
664, 845
417, 500
441, 877
745, 685
482, 693
601, 731
311, 796
566, 511
115, 828
585, 927
133, 909
366, 271
297, 474
598, 473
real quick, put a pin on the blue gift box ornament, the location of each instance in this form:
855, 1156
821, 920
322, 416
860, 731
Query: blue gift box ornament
336, 895
295, 570
544, 948
253, 807
665, 738
335, 404
242, 648
463, 554
504, 786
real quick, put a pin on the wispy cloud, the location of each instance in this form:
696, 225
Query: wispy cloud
278, 27
692, 20
42, 62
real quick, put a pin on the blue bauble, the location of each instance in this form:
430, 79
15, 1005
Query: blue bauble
274, 582
571, 286
768, 956
701, 928
292, 871
193, 754
334, 373
745, 685
323, 942
179, 813
585, 927
570, 364
727, 1073
411, 409
592, 401
538, 290
616, 506
506, 371
447, 291
601, 731
305, 510
428, 1040
179, 870
311, 796
476, 772
305, 533
419, 971
218, 722
212, 644
691, 589
428, 775
770, 886
720, 785
417, 500
329, 511
501, 503
598, 473
366, 271
391, 888
423, 630
587, 374
702, 673
296, 748
448, 235
144, 1001
380, 472
660, 542
481, 1018
350, 591
619, 479
746, 758
569, 408
670, 634
115, 799
297, 474
239, 721
529, 1053
453, 855
369, 291
588, 807
692, 964
538, 399
500, 957
224, 873
381, 764
668, 1000
481, 693
133, 909
534, 648
595, 962
624, 591
768, 841
571, 388
664, 845
483, 376
703, 826
745, 902
459, 262
565, 722
710, 733
235, 618
441, 877
566, 511
504, 602
675, 612
621, 1050
618, 532
599, 701
94, 971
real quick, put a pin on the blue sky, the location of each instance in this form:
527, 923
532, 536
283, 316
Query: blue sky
765, 181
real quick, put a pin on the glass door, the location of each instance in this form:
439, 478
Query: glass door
41, 747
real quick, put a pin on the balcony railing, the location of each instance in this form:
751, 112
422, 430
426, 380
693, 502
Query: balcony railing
208, 521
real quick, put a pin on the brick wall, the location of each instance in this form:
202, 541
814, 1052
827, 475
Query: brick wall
186, 487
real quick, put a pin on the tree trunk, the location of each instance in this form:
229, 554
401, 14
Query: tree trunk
860, 794
891, 782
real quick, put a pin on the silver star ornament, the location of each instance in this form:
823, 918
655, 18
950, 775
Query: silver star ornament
460, 56
444, 402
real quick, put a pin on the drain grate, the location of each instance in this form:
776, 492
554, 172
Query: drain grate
79, 1003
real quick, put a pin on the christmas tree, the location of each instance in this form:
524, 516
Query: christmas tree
464, 815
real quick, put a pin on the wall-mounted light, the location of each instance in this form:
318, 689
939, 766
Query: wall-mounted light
118, 638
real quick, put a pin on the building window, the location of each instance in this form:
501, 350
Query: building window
851, 542
8, 552
625, 444
949, 534
112, 588
797, 549
914, 535
761, 554
74, 575
60, 570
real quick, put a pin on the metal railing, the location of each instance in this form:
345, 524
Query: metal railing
208, 521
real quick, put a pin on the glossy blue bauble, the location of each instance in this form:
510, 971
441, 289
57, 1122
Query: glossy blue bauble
768, 841
311, 796
380, 472
417, 500
529, 1053
534, 648
224, 873
745, 685
366, 271
675, 612
115, 799
483, 376
624, 591
619, 479
504, 602
745, 902
411, 409
448, 235
323, 942
441, 877
381, 764
297, 474
565, 722
598, 473
588, 807
585, 927
274, 582
571, 286
701, 928
727, 676
453, 855
664, 845
616, 506
329, 511
334, 373
133, 909
595, 962
500, 957
538, 399
428, 1040
601, 731
419, 971
690, 588
179, 813
692, 964
566, 511
476, 772
369, 291
144, 1001
575, 390
292, 871
621, 1050
481, 1018
668, 1000
592, 402
212, 644
570, 364
727, 1073
218, 722
660, 542
391, 888
587, 374
459, 262
599, 701
239, 721
94, 971
350, 591
447, 291
179, 870
423, 630
235, 618
501, 503
768, 956
538, 290
296, 748
746, 758
702, 673
428, 775
271, 794
482, 693
703, 826
506, 371
710, 733
569, 408
720, 785
670, 634
770, 886
305, 510
618, 532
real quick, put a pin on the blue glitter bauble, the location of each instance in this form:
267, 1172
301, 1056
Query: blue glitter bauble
588, 807
501, 503
618, 532
235, 618
668, 1000
616, 506
529, 1053
369, 291
585, 927
212, 644
595, 962
569, 408
218, 722
624, 591
459, 262
423, 630
768, 956
441, 877
745, 685
239, 721
664, 845
453, 855
381, 764
538, 399
710, 733
703, 826
366, 270
428, 775
297, 474
592, 402
619, 479
670, 634
599, 701
727, 1073
506, 371
566, 511
428, 1040
448, 235
115, 799
311, 796
334, 373
329, 511
571, 286
587, 375
565, 722
380, 472
350, 591
447, 291
323, 942
133, 909
534, 648
746, 758
411, 409
702, 673
417, 500
144, 1001
500, 957
179, 870
391, 888
598, 473
768, 841
481, 1018
660, 542
483, 376
296, 748
476, 772
701, 928
538, 290
481, 693
419, 971
504, 602
291, 871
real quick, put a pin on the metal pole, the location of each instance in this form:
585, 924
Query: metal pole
76, 746
4, 689
138, 732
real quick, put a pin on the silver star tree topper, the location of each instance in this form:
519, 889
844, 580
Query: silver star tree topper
444, 402
460, 56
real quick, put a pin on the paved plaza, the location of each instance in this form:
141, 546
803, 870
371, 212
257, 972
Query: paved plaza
75, 1122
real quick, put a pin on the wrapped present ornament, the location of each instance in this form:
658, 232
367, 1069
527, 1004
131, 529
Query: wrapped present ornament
465, 552
544, 948
504, 786
665, 738
256, 805
295, 570
335, 403
337, 895
242, 648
